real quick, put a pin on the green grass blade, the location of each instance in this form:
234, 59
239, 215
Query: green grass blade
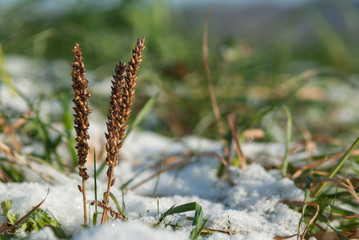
339, 234
261, 115
157, 181
142, 114
123, 186
6, 205
184, 208
94, 221
179, 209
287, 141
101, 168
342, 211
305, 203
168, 212
67, 121
158, 206
124, 204
197, 220
114, 199
340, 163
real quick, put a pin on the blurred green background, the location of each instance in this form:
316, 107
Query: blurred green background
303, 55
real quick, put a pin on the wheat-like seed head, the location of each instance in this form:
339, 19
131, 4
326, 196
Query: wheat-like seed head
123, 88
131, 72
81, 109
116, 122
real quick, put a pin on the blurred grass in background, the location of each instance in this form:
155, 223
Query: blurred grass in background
304, 56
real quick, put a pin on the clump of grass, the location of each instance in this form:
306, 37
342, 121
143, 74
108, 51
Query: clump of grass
123, 89
81, 122
33, 221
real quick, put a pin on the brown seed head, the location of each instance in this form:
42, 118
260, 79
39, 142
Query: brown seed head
131, 72
115, 124
81, 109
123, 84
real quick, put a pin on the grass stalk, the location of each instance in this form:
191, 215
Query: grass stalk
95, 184
157, 181
287, 141
81, 122
123, 89
305, 204
212, 93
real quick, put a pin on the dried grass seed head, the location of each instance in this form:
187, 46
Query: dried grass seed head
132, 70
122, 91
81, 108
115, 124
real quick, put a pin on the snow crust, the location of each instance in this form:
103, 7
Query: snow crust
249, 204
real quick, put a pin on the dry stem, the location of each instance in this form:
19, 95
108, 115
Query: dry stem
211, 89
81, 122
113, 213
123, 89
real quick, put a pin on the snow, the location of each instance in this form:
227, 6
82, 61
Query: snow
247, 204
129, 230
250, 205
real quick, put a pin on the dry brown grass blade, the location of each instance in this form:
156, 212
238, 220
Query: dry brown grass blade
311, 165
319, 162
235, 138
328, 140
223, 161
320, 173
351, 216
211, 231
253, 134
211, 88
3, 176
19, 160
334, 236
205, 230
310, 144
173, 158
342, 185
347, 180
299, 203
166, 169
312, 219
10, 129
170, 159
284, 237
188, 157
114, 214
5, 229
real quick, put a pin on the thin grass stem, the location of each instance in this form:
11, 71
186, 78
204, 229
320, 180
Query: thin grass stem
287, 141
340, 163
212, 93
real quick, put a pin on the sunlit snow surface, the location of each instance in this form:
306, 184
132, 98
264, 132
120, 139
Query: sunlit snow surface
250, 206
247, 203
